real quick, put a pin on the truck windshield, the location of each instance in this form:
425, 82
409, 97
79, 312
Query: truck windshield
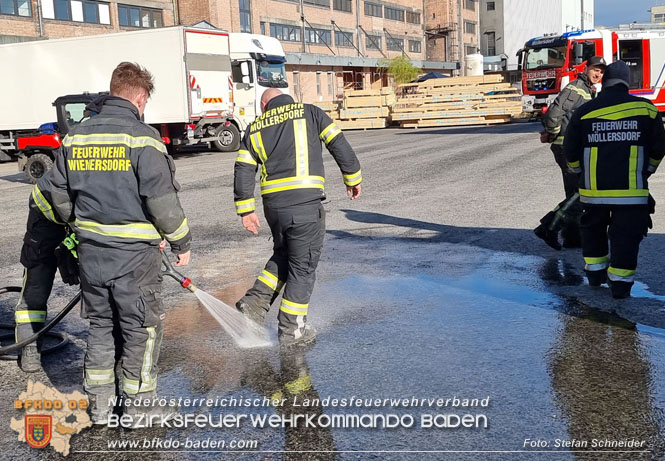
545, 58
271, 74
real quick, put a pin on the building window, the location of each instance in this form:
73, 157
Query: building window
318, 84
296, 82
373, 42
317, 36
469, 27
325, 3
659, 17
490, 6
470, 49
331, 85
470, 5
394, 44
373, 9
394, 14
245, 16
412, 18
415, 46
342, 5
89, 11
16, 7
343, 38
285, 33
133, 16
262, 26
491, 43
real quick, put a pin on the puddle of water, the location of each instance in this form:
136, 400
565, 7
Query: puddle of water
641, 290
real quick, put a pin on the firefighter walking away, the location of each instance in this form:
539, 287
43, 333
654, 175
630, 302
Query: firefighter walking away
614, 143
284, 143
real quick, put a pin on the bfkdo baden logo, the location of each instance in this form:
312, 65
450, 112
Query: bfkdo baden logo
38, 430
49, 418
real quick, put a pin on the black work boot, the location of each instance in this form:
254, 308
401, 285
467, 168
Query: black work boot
619, 289
307, 337
100, 407
596, 278
145, 410
30, 359
254, 313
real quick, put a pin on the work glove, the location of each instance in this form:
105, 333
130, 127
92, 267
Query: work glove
68, 265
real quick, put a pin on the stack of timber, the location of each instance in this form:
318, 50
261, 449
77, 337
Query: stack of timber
455, 101
362, 109
330, 108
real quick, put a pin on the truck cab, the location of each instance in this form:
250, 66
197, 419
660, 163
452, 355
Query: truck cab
257, 63
549, 63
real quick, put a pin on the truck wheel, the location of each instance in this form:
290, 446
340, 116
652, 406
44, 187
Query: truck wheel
36, 166
228, 138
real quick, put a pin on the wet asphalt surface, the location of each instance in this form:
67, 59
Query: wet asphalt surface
432, 285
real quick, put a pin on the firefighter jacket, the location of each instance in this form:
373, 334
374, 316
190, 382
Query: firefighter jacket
558, 115
41, 198
115, 182
285, 144
616, 142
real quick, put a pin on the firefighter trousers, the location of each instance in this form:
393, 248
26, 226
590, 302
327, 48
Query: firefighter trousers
298, 233
123, 288
570, 230
40, 265
625, 225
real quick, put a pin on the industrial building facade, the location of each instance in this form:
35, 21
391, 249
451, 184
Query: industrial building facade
330, 44
506, 25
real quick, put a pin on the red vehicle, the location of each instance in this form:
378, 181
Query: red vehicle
35, 148
550, 63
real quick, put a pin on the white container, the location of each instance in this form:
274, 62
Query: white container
473, 65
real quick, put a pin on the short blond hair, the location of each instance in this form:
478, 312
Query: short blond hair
129, 79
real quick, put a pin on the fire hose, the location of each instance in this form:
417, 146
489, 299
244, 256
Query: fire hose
168, 270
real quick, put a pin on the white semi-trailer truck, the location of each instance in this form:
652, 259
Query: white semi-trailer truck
193, 101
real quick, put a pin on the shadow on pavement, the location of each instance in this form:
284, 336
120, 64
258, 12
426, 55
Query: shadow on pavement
643, 307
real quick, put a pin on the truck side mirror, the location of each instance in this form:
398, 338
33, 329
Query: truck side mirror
578, 53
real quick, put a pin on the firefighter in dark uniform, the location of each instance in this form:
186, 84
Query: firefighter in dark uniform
556, 120
116, 183
284, 143
615, 143
41, 256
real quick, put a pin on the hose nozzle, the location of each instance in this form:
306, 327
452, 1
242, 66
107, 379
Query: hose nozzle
168, 270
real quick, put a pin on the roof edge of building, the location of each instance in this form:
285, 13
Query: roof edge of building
311, 59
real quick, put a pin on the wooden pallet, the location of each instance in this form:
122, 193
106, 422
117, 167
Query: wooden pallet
456, 122
364, 112
360, 124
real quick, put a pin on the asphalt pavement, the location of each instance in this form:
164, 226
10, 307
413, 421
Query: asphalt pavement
431, 286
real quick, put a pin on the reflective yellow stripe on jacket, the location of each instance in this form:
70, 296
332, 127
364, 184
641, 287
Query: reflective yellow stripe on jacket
245, 206
44, 205
625, 110
245, 157
295, 182
179, 233
329, 133
137, 231
353, 179
113, 138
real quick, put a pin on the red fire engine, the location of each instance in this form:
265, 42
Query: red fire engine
549, 63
